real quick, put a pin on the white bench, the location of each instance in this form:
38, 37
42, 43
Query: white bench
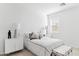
63, 50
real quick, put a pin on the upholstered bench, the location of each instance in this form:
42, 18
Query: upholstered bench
63, 50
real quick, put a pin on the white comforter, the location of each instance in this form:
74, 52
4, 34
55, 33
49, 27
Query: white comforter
48, 43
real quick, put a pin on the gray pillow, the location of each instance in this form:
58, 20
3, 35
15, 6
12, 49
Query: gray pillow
33, 35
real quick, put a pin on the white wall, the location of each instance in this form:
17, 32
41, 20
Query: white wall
29, 18
69, 26
7, 16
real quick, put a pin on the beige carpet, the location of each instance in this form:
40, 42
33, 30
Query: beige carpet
21, 53
75, 52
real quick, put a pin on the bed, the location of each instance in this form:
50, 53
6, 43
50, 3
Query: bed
43, 46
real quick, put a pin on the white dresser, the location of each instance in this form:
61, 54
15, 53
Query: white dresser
12, 45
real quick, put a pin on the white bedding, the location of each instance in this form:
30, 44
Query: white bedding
48, 43
45, 42
44, 46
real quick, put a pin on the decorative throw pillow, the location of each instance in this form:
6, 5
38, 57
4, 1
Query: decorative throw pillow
41, 35
33, 35
26, 35
30, 34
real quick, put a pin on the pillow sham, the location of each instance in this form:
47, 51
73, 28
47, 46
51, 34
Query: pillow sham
33, 35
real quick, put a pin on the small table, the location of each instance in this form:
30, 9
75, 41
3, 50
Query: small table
63, 50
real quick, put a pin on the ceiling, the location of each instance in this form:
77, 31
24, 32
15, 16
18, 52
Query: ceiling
45, 8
